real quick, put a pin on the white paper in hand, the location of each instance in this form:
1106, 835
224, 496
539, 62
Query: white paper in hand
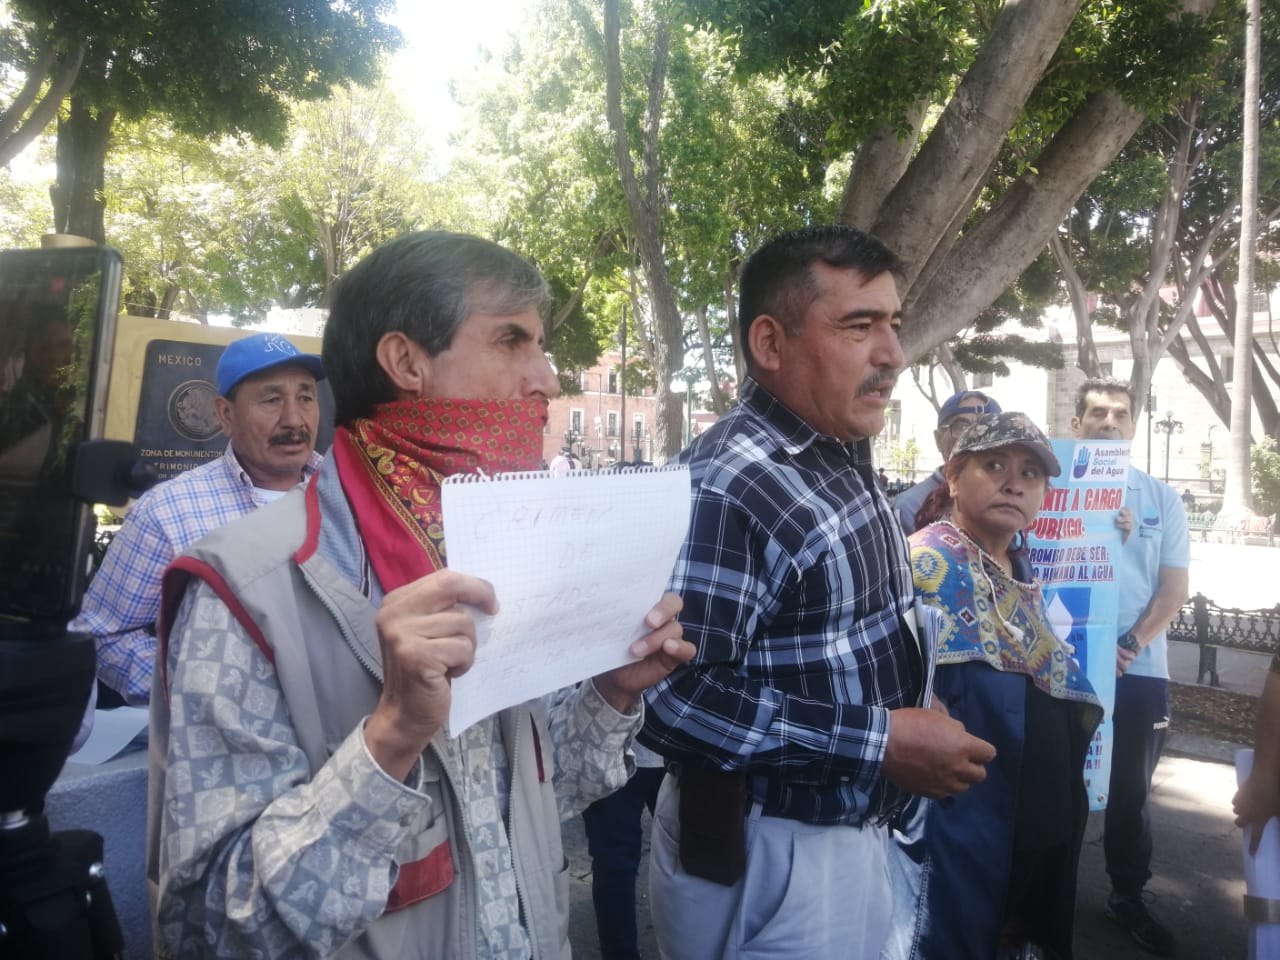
576, 562
1261, 872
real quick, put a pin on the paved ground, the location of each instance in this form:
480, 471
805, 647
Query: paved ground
1198, 881
1198, 878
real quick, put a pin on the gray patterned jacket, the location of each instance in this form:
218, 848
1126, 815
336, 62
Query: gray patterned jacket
271, 831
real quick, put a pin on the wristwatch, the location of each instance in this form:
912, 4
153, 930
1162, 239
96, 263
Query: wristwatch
1127, 641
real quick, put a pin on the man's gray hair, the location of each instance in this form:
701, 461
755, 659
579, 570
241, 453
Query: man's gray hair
423, 285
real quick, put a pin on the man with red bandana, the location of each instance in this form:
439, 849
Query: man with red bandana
306, 798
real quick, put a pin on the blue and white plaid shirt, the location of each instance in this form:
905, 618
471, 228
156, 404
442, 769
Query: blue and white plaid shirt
796, 583
123, 600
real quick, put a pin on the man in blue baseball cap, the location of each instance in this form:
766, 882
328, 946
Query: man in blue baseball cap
268, 407
954, 417
269, 410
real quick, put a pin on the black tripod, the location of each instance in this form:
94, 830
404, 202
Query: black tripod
54, 902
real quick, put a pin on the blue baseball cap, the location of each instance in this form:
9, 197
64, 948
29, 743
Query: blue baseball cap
262, 351
957, 404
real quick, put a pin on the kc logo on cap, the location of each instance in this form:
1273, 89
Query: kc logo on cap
262, 351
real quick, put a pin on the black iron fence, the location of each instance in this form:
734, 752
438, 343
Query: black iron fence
1203, 622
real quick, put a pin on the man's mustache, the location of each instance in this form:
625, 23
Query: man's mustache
879, 381
289, 437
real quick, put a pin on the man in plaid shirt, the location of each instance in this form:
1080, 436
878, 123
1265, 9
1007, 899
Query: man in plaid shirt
268, 408
798, 727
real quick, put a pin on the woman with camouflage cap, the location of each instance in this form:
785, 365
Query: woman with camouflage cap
998, 862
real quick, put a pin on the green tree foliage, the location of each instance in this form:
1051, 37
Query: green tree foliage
1266, 476
170, 206
236, 228
733, 160
353, 174
209, 69
969, 130
39, 60
531, 170
1156, 234
24, 210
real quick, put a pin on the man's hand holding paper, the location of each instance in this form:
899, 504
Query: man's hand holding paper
659, 653
427, 633
575, 563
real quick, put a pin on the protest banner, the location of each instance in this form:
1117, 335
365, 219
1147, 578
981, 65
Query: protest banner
1073, 549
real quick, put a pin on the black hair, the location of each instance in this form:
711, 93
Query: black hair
938, 503
1104, 385
423, 285
778, 278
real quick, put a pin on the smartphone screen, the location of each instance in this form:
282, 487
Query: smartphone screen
57, 324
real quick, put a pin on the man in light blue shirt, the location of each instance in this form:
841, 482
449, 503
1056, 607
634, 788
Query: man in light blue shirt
1153, 585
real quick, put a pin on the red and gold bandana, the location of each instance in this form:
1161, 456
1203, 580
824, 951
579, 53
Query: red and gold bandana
392, 465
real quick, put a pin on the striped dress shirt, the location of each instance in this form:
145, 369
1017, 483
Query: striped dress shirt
123, 600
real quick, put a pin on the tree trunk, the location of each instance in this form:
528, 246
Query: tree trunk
1002, 243
951, 366
77, 195
1237, 497
956, 158
170, 296
991, 255
18, 127
719, 402
878, 166
731, 311
1208, 384
1086, 349
139, 298
644, 209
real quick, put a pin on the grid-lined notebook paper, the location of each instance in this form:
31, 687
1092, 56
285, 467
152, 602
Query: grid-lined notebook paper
576, 562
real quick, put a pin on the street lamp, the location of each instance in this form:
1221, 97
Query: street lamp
688, 376
638, 437
1206, 458
1167, 426
571, 438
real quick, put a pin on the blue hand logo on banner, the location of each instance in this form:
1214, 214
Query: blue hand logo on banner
1081, 464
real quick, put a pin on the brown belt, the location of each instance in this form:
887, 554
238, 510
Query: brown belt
1261, 910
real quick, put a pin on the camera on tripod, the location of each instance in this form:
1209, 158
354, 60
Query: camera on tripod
57, 323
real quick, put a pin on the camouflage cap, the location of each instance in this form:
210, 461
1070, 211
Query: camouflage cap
993, 430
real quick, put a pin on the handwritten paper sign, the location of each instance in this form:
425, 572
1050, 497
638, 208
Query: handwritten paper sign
576, 563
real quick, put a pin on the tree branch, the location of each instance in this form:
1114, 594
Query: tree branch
46, 110
956, 158
991, 255
1086, 349
877, 166
645, 219
36, 77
